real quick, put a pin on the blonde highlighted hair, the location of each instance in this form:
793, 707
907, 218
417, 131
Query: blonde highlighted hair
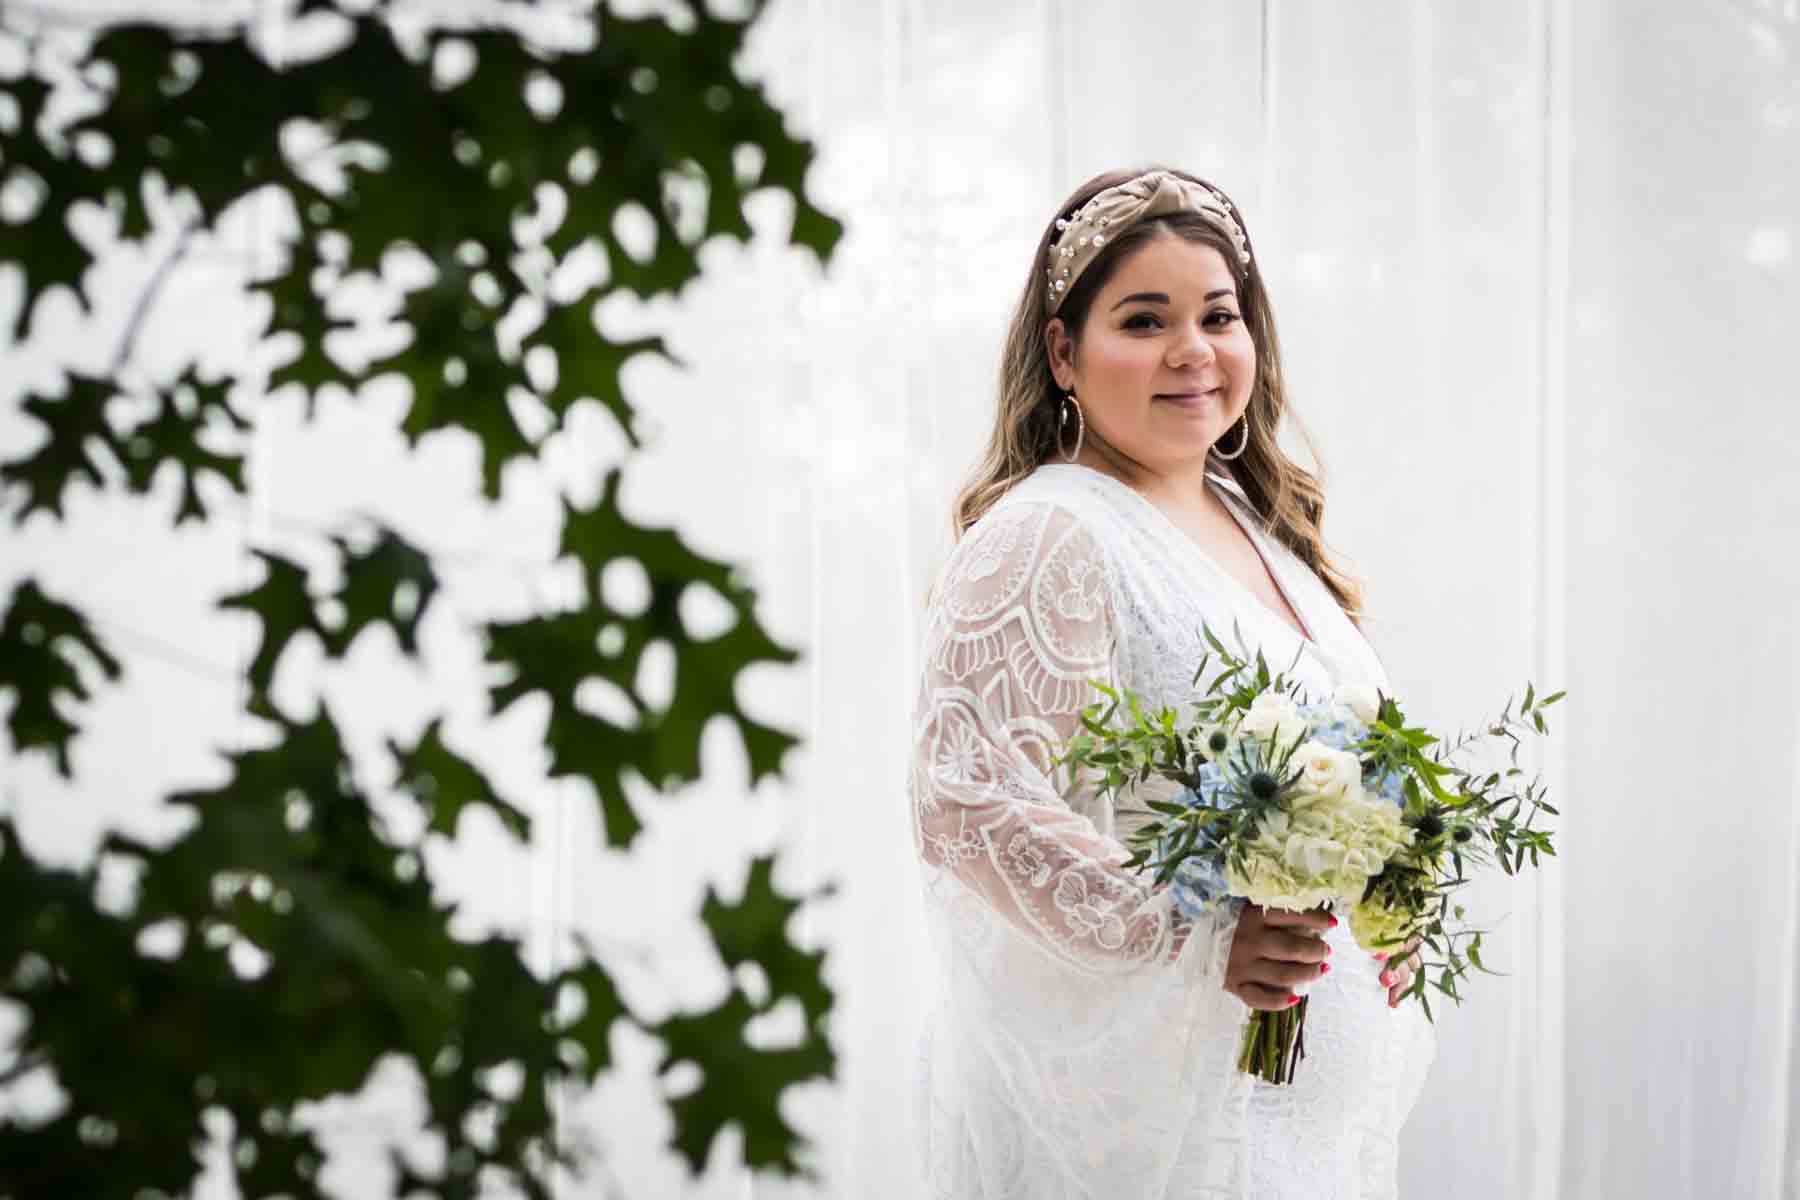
1290, 499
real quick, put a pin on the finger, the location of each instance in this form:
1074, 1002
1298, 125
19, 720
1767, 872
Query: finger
1400, 978
1264, 998
1312, 920
1282, 946
1284, 974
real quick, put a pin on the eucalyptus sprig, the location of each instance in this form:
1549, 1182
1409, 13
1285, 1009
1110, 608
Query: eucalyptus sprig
1467, 818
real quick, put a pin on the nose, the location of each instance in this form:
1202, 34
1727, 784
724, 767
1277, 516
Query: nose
1190, 346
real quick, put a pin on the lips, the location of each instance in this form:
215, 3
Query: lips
1192, 398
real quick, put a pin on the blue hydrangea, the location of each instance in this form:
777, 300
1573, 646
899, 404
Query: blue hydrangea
1212, 781
1198, 885
1391, 786
1199, 888
1332, 729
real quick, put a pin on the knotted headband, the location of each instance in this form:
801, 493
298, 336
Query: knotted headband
1083, 235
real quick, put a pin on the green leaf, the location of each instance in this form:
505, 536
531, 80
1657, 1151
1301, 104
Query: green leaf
444, 783
555, 654
35, 665
739, 1085
186, 410
77, 434
285, 609
392, 583
755, 930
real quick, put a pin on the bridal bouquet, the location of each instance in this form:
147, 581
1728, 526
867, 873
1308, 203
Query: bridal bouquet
1291, 801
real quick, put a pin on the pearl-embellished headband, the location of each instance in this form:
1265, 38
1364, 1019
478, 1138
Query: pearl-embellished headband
1083, 235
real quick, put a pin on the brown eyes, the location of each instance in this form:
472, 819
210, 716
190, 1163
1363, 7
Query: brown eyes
1133, 321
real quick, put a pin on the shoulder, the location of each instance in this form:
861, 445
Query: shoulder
1051, 513
1044, 544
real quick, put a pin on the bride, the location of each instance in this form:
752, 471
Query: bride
1086, 1039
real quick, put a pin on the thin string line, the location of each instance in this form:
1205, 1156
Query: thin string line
1548, 577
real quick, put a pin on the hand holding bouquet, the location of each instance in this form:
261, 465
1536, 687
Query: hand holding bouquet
1292, 802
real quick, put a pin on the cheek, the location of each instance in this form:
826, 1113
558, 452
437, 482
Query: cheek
1121, 356
1243, 348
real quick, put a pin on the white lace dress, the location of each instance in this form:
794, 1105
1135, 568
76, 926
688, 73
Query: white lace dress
1082, 1045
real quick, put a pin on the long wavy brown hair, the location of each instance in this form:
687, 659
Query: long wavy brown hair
1289, 498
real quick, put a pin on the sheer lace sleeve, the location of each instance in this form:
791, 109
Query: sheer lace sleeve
1021, 622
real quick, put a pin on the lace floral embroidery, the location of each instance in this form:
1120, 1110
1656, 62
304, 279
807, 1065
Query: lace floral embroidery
1028, 861
1081, 600
1084, 915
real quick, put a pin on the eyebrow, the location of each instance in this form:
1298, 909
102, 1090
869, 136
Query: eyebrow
1163, 297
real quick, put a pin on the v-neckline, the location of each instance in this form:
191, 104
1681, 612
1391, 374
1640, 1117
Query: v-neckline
1304, 633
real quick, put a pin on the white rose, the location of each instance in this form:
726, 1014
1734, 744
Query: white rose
1327, 770
1273, 717
1363, 701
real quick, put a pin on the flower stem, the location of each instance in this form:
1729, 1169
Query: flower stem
1274, 1044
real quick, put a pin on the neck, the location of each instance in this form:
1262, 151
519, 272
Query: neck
1182, 483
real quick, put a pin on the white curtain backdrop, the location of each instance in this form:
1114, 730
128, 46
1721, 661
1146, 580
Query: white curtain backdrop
1534, 267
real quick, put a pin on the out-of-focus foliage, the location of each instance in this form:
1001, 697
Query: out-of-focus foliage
287, 941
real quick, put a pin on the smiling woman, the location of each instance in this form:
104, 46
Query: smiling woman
1134, 491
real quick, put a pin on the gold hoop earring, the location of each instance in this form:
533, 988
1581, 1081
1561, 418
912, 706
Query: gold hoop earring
1063, 423
1242, 442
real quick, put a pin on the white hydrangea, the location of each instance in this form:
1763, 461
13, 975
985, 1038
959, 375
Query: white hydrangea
1324, 845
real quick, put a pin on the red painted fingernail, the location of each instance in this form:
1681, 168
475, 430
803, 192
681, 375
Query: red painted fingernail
1385, 981
1334, 922
1324, 967
1293, 1000
1381, 956
1327, 949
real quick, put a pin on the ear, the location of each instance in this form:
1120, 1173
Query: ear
1059, 350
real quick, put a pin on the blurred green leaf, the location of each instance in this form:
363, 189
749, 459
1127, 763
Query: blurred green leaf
35, 665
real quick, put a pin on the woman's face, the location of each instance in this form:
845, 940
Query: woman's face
1166, 364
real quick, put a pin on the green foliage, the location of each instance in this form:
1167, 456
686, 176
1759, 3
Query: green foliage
555, 654
753, 931
285, 942
79, 441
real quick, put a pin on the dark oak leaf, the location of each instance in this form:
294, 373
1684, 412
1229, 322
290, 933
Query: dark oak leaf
77, 434
35, 638
391, 583
285, 608
444, 783
740, 1084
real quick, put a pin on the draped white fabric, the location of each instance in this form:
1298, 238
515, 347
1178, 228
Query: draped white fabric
1535, 271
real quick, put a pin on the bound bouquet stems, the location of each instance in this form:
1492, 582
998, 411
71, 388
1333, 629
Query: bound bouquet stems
1291, 801
1274, 1043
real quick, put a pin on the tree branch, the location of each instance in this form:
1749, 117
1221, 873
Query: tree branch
142, 308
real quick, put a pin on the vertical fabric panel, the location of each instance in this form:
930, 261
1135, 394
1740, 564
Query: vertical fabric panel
1683, 508
1407, 275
